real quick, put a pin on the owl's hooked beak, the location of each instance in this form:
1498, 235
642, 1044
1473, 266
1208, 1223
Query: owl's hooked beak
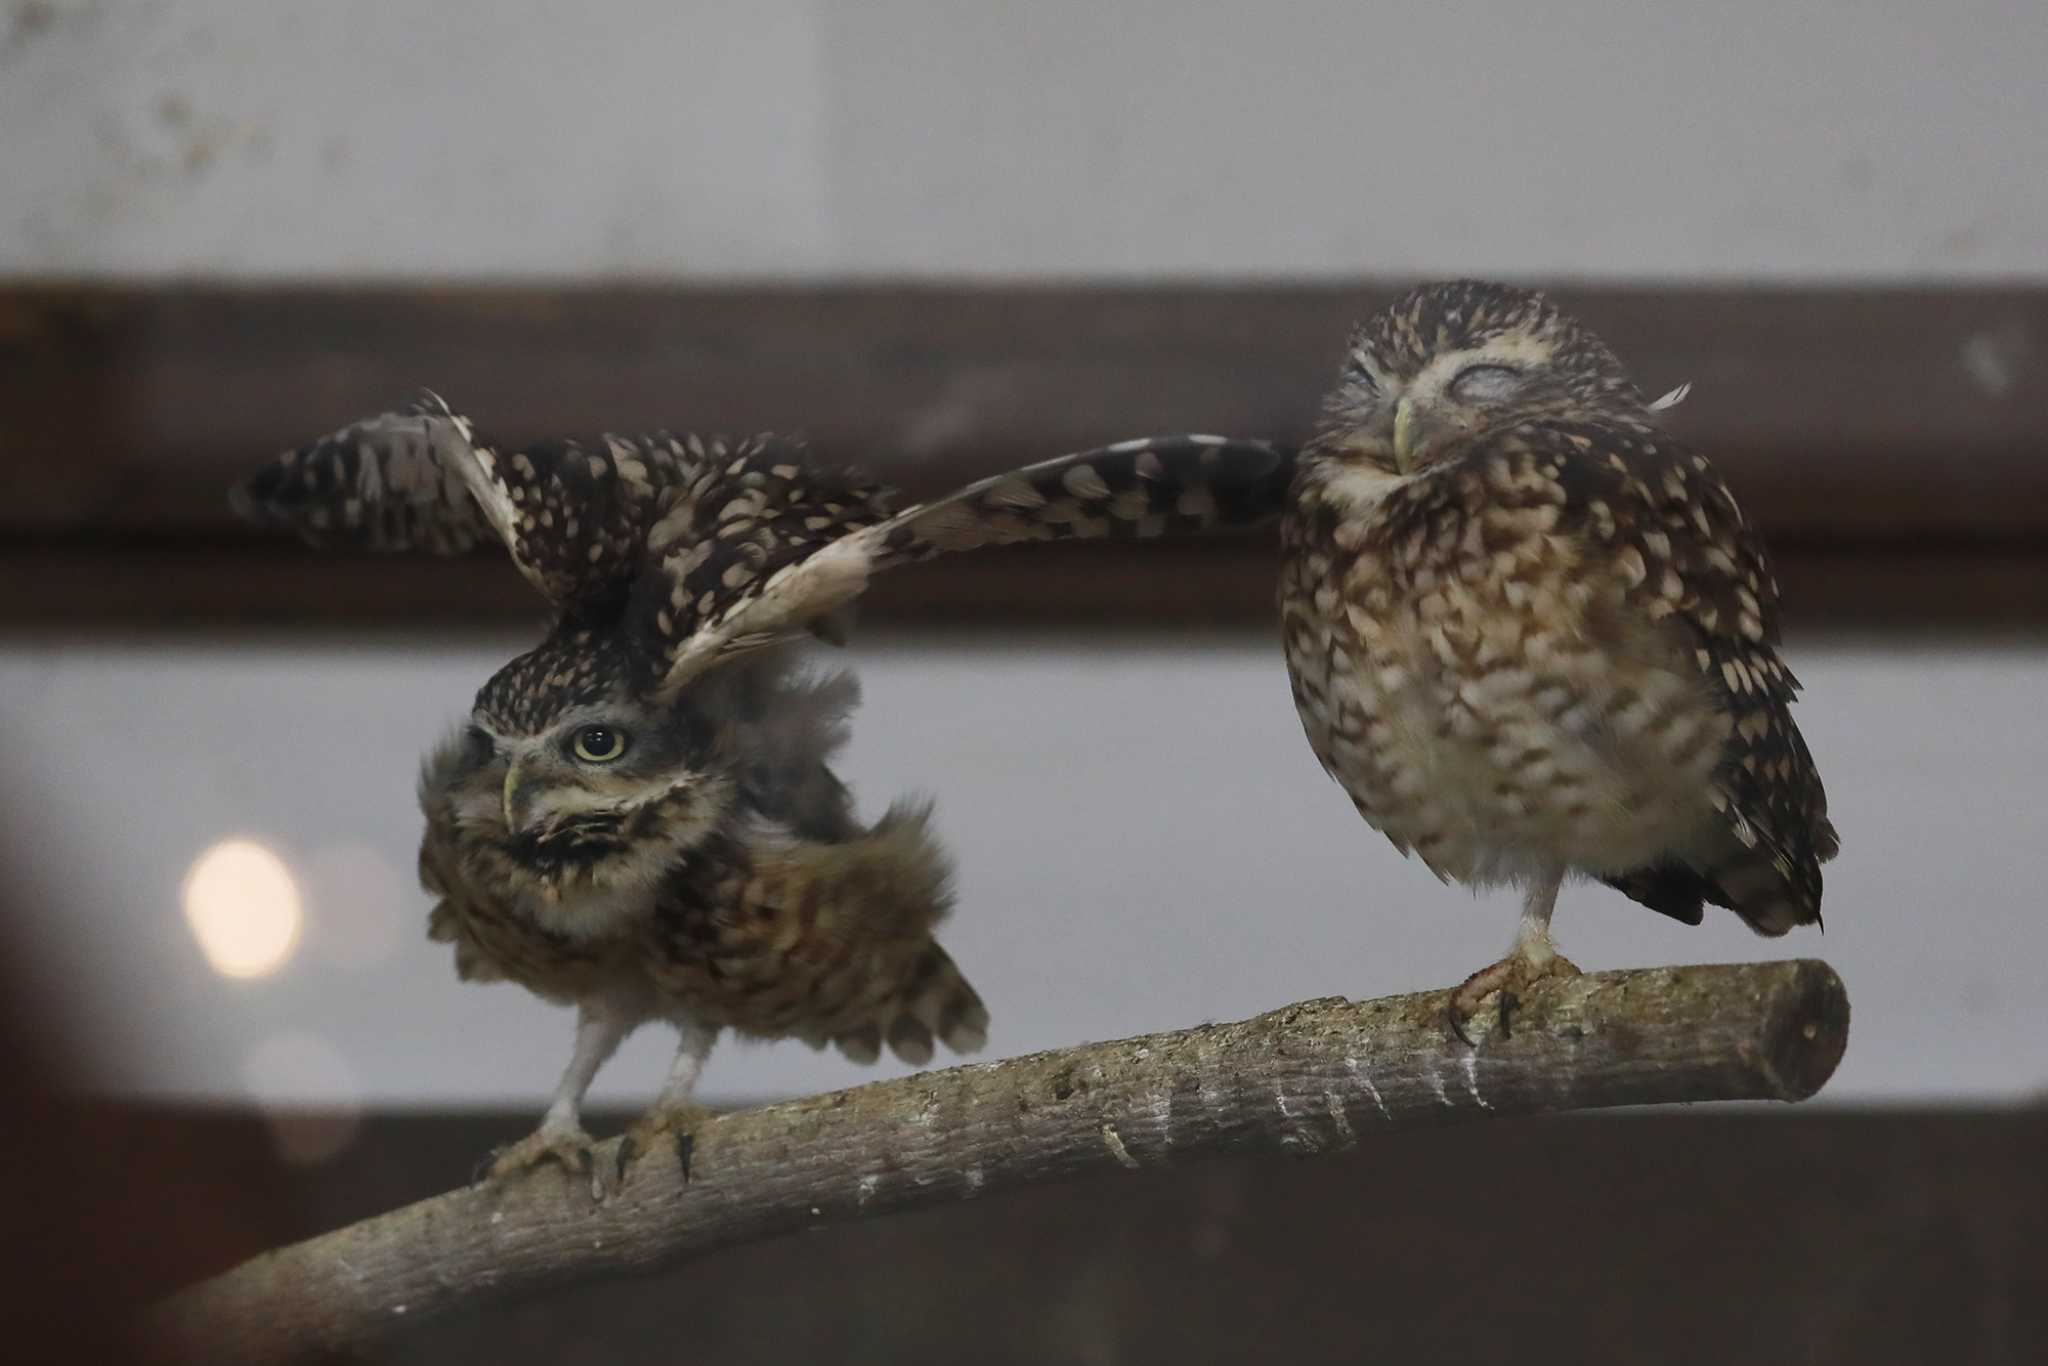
1405, 423
516, 800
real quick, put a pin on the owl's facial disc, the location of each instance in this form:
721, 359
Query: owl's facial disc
1420, 417
596, 784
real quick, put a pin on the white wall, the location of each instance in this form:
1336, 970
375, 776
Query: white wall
700, 138
1144, 842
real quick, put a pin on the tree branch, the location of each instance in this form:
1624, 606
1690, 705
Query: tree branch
1308, 1078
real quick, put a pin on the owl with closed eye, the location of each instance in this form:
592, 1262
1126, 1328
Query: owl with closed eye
639, 817
1532, 635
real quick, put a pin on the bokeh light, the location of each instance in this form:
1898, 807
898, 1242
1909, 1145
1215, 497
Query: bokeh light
308, 1093
244, 908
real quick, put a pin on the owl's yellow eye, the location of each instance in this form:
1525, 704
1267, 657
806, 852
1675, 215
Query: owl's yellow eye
599, 744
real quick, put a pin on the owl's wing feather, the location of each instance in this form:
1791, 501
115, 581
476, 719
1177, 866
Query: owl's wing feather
714, 548
736, 573
1673, 531
575, 515
572, 515
398, 481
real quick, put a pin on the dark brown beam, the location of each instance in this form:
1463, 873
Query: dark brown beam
1864, 429
1223, 584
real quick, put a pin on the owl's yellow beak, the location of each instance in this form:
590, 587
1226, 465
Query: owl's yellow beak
1404, 433
512, 812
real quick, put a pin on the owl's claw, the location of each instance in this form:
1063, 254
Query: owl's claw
568, 1146
1455, 1024
674, 1123
1510, 977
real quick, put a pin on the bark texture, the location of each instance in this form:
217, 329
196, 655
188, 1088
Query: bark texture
1313, 1077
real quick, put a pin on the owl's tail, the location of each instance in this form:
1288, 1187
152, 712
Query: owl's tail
936, 1003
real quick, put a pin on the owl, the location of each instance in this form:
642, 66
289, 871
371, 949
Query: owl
1532, 635
639, 817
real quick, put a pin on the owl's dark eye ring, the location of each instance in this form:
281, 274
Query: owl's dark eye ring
481, 744
1485, 381
598, 744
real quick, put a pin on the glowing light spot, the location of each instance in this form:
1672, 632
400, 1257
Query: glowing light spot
243, 907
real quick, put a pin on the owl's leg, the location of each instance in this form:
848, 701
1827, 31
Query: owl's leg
1533, 958
674, 1113
560, 1137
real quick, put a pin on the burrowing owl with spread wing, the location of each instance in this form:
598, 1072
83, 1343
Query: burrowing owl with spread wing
1531, 634
639, 817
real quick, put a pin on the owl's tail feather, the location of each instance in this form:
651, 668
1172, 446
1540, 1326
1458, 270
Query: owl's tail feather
1772, 888
936, 1004
1766, 890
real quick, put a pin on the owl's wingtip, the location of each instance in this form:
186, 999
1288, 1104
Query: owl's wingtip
257, 498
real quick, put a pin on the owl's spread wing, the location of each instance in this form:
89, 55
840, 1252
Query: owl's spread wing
573, 516
732, 573
397, 481
714, 548
1670, 528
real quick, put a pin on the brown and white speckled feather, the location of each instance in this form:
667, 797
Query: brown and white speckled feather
1539, 635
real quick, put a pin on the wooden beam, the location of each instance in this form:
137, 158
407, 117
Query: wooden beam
1225, 584
1860, 427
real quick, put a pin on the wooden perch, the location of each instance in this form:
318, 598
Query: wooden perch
1309, 1078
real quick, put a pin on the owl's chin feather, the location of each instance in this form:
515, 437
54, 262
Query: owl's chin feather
631, 850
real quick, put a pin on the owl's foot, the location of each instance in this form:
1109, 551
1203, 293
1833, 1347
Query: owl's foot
564, 1144
1511, 976
664, 1126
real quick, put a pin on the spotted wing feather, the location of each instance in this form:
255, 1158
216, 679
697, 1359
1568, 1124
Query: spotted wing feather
768, 565
576, 515
397, 481
573, 515
1149, 487
1667, 523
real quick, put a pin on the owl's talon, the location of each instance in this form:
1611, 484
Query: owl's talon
1510, 978
568, 1147
674, 1123
626, 1153
1457, 1025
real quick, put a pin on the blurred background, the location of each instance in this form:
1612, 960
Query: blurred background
942, 239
